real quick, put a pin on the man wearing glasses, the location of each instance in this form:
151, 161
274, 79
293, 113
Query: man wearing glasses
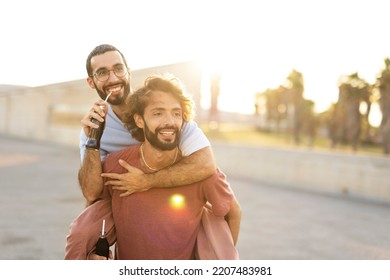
108, 73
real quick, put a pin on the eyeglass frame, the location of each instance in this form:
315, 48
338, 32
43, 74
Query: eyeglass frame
112, 70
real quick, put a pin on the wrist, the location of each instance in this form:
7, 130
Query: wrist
149, 181
90, 148
92, 144
92, 153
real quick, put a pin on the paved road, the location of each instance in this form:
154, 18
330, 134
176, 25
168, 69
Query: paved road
40, 197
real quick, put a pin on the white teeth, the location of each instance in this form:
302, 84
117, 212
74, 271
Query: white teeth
114, 89
167, 133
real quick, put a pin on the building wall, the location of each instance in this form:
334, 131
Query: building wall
53, 112
326, 172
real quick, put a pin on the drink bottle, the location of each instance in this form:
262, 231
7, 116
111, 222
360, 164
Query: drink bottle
95, 134
102, 246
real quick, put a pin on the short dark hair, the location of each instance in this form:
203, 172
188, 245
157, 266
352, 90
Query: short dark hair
139, 100
101, 49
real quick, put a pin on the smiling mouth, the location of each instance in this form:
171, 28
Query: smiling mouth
167, 133
114, 89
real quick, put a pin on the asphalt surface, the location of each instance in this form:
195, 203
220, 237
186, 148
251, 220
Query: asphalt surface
40, 197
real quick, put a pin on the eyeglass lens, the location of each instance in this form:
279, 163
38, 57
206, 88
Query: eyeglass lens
103, 74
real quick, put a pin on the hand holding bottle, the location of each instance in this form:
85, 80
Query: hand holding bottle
96, 131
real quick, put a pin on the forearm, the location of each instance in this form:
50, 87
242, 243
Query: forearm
233, 218
194, 168
90, 179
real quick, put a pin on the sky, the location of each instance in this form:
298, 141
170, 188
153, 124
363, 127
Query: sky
254, 44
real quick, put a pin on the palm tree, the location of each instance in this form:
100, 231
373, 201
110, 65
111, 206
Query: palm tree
286, 104
383, 84
275, 106
214, 95
296, 88
347, 118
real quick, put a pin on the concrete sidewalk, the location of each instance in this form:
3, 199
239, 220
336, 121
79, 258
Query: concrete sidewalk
40, 196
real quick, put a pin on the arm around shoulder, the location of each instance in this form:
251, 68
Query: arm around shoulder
202, 162
191, 169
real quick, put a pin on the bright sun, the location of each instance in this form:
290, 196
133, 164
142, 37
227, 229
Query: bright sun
244, 75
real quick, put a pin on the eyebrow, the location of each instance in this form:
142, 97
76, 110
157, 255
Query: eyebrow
164, 109
105, 68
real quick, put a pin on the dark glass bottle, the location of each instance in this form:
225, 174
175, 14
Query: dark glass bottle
95, 134
102, 245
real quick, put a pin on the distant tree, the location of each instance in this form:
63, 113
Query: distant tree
295, 89
346, 122
214, 95
275, 106
309, 121
383, 84
286, 105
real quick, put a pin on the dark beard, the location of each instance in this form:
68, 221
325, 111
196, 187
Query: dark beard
117, 101
155, 142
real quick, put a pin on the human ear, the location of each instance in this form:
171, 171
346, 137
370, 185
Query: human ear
91, 83
139, 121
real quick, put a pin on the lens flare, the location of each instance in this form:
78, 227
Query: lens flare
177, 201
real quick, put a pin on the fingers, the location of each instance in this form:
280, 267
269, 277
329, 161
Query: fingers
96, 257
98, 112
114, 176
131, 169
100, 107
115, 183
121, 188
126, 193
127, 183
125, 165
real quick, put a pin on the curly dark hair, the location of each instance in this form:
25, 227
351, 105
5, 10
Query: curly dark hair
139, 100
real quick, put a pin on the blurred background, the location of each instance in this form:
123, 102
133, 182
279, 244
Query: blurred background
319, 71
293, 95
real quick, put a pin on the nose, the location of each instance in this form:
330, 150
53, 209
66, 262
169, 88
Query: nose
112, 76
169, 119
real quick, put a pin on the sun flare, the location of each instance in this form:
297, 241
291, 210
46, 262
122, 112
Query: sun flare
177, 201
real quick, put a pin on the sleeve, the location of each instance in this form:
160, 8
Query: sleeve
192, 139
218, 193
83, 140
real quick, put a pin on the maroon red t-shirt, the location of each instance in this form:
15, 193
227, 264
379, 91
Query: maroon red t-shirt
162, 223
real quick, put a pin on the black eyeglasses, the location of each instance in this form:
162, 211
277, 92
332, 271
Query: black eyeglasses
104, 74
